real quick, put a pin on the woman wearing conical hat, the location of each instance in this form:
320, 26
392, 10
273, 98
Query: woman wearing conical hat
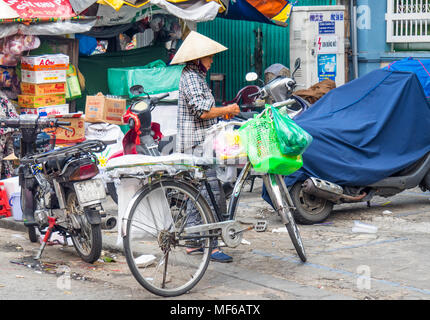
197, 112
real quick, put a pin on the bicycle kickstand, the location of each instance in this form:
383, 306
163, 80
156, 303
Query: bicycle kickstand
52, 222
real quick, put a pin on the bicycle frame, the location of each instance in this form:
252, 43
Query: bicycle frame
278, 194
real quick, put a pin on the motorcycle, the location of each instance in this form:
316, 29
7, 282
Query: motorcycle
279, 91
354, 165
57, 192
144, 136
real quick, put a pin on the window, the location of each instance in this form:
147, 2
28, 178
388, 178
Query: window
408, 21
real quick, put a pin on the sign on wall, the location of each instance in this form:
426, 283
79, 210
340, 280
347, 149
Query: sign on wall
327, 67
327, 43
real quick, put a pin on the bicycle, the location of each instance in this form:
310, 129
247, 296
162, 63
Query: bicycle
159, 226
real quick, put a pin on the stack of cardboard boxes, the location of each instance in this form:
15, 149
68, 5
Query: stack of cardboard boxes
43, 88
43, 84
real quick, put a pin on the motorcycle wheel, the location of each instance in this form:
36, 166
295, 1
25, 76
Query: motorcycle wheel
309, 209
112, 191
88, 239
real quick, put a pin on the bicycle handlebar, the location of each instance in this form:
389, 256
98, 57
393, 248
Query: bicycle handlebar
35, 122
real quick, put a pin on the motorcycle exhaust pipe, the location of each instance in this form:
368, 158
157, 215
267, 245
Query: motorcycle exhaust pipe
108, 223
328, 190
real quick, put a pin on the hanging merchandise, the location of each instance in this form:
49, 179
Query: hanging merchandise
73, 88
11, 48
87, 44
102, 46
7, 77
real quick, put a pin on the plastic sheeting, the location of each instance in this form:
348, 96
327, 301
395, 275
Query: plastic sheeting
197, 11
49, 28
80, 5
366, 130
155, 77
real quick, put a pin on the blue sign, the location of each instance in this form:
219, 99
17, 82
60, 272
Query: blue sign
327, 27
327, 67
316, 17
336, 16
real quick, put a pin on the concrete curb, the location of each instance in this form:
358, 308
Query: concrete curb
109, 241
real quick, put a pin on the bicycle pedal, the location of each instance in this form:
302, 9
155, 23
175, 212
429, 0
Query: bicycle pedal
261, 226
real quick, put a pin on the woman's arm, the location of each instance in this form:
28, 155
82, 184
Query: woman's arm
215, 112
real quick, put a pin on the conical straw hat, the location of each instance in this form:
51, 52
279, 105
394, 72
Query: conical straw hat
7, 12
196, 46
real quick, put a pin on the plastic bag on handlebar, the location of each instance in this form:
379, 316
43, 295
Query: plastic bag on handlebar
224, 143
293, 140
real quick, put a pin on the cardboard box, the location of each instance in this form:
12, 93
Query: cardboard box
77, 125
43, 88
45, 62
30, 101
47, 111
100, 108
48, 76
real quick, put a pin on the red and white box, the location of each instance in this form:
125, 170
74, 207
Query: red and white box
61, 109
45, 62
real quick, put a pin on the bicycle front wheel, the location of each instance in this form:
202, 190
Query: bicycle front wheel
295, 237
163, 259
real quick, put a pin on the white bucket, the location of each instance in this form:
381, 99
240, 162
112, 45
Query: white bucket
11, 185
15, 205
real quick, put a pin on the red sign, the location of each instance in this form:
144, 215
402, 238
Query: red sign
41, 8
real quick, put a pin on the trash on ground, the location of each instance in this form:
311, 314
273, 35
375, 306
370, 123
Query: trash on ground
324, 224
261, 226
388, 202
145, 260
245, 242
360, 227
279, 230
386, 212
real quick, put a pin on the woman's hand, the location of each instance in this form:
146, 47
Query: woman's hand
232, 110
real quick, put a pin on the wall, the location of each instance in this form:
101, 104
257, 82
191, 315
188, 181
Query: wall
239, 37
373, 50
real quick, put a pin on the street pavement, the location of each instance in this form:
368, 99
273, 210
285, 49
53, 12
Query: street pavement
392, 263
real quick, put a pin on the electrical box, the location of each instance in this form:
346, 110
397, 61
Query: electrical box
317, 37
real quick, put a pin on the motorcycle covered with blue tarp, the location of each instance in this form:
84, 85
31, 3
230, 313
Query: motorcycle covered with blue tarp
421, 67
371, 137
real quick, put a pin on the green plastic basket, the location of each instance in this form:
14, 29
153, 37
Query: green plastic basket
262, 146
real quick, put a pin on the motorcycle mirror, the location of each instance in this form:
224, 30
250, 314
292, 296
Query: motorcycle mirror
297, 64
136, 90
251, 76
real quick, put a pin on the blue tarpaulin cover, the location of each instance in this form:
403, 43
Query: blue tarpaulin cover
365, 130
421, 67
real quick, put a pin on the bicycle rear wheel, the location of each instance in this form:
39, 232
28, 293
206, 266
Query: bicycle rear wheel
155, 244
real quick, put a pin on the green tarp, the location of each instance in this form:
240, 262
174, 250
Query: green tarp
155, 77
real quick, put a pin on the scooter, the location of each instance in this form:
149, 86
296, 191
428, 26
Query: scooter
144, 136
314, 198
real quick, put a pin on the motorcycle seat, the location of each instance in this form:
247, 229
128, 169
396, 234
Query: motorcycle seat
51, 165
